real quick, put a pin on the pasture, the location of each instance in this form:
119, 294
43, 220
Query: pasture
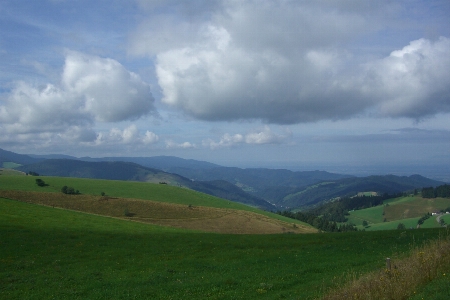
88, 247
131, 189
406, 210
49, 253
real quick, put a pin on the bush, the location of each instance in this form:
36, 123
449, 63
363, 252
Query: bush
41, 182
69, 190
401, 226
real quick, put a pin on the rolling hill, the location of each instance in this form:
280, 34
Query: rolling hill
269, 189
150, 203
8, 156
349, 187
133, 172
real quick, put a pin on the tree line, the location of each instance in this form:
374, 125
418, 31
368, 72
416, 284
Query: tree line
327, 217
319, 222
442, 191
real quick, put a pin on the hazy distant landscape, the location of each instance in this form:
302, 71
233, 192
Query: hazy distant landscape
223, 149
129, 238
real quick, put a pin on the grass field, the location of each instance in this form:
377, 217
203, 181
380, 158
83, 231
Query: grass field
131, 189
406, 210
206, 219
51, 253
9, 172
371, 215
10, 165
446, 218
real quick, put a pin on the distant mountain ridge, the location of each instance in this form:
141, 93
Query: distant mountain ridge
254, 186
349, 187
22, 159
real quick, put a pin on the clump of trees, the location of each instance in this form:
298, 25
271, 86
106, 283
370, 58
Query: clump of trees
319, 222
41, 182
31, 173
442, 191
338, 211
68, 190
425, 217
327, 217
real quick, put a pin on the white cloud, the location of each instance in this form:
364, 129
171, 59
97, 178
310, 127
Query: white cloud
170, 144
92, 89
288, 62
107, 90
264, 136
128, 136
150, 138
227, 140
412, 82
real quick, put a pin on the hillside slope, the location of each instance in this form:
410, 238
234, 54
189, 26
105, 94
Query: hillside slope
206, 219
135, 172
8, 156
348, 187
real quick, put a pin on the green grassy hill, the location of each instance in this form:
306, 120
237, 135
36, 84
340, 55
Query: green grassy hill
49, 253
118, 170
186, 204
349, 187
406, 210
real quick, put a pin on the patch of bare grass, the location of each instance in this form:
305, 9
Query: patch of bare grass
404, 276
201, 218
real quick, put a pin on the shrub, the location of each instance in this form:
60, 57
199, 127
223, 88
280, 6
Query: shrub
41, 182
401, 226
69, 190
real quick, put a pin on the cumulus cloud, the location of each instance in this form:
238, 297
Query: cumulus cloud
110, 93
150, 138
288, 62
227, 140
264, 136
128, 136
170, 144
91, 89
413, 81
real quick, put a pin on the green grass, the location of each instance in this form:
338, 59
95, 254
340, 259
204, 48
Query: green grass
409, 223
407, 210
438, 289
130, 189
371, 215
9, 172
10, 165
446, 218
48, 253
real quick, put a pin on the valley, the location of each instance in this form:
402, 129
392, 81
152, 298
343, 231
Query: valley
155, 236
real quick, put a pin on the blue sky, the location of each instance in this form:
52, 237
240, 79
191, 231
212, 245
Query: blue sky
242, 83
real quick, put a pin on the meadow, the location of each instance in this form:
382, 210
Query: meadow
406, 210
132, 190
57, 254
51, 253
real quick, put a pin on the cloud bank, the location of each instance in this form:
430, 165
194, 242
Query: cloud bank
289, 62
92, 89
264, 136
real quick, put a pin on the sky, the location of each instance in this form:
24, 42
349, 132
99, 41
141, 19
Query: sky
323, 84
